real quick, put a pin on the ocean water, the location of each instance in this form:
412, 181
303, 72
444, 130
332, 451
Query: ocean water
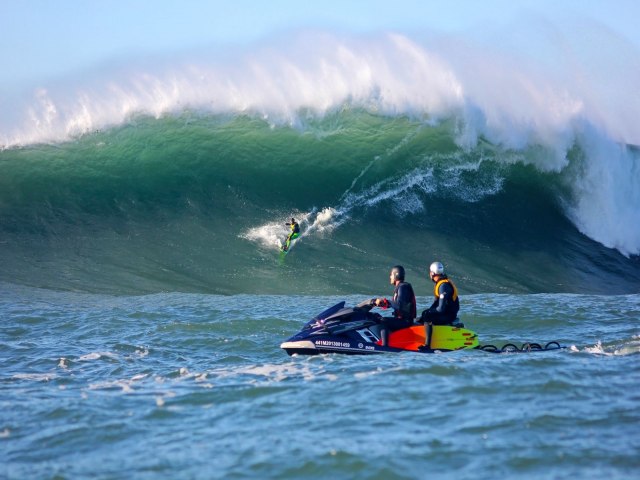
175, 385
144, 298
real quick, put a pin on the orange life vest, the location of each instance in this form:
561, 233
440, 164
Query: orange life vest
436, 288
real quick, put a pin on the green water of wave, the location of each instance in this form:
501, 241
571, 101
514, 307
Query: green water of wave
166, 204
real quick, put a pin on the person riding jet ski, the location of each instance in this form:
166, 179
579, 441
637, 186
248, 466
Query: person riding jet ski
403, 303
445, 307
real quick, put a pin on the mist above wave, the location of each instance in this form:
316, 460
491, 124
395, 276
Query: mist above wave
531, 85
528, 83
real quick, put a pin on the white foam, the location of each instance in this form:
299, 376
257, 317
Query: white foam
403, 192
628, 348
269, 373
37, 377
596, 349
126, 385
142, 352
272, 234
96, 356
269, 235
607, 195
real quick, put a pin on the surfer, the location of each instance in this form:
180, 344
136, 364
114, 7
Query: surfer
403, 303
444, 309
295, 233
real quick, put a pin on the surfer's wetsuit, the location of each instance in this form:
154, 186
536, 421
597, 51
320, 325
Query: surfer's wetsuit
445, 307
295, 233
295, 228
404, 309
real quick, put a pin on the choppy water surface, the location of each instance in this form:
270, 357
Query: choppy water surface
195, 386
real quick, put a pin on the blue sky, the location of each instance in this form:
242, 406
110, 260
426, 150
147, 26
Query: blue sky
43, 39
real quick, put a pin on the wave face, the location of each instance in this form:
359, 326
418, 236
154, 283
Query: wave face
511, 162
198, 203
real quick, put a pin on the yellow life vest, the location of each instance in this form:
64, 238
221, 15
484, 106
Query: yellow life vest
436, 288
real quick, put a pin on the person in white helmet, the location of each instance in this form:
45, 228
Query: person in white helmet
445, 307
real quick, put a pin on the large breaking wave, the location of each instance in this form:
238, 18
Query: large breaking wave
399, 119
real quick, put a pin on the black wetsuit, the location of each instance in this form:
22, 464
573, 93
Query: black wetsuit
446, 305
404, 308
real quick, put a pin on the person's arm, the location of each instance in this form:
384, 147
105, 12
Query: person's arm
444, 293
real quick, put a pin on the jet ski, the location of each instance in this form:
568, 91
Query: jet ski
356, 330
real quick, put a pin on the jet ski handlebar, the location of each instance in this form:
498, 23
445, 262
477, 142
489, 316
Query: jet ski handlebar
366, 305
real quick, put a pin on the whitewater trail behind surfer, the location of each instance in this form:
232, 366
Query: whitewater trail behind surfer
314, 222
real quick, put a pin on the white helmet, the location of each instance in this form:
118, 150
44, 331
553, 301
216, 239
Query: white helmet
436, 268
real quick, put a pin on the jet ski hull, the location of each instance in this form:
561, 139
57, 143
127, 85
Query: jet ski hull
356, 331
333, 345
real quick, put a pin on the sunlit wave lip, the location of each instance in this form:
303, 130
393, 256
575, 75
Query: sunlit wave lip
390, 74
512, 102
